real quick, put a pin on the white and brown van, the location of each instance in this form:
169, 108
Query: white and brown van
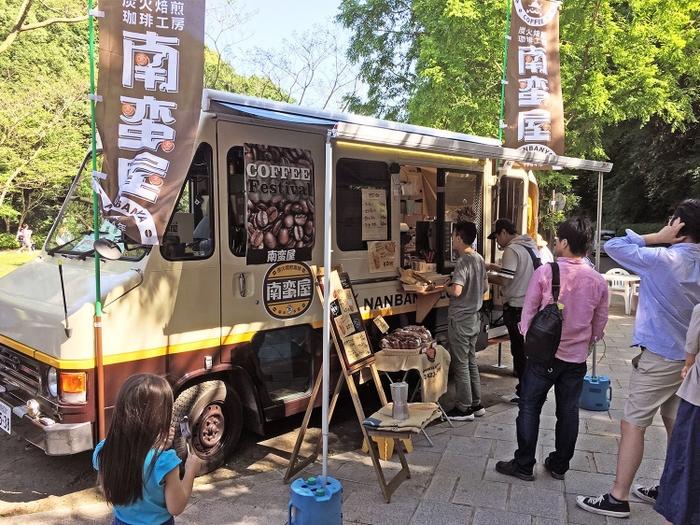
225, 307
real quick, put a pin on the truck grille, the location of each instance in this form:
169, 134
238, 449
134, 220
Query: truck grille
19, 370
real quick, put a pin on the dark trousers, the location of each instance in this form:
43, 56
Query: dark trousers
567, 379
511, 318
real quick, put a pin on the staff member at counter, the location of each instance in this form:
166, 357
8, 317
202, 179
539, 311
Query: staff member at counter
513, 277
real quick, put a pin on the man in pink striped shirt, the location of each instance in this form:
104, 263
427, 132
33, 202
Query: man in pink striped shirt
584, 294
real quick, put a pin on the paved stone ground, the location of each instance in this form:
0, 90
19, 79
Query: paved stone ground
453, 482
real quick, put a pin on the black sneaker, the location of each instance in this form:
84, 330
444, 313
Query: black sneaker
478, 410
555, 475
604, 504
458, 415
648, 494
508, 468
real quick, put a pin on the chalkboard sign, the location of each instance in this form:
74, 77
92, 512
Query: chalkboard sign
347, 326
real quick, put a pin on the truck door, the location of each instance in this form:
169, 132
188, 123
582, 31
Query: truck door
276, 337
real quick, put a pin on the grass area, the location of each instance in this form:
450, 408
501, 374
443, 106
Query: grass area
10, 259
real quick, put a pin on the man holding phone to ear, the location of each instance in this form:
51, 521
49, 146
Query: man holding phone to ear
669, 272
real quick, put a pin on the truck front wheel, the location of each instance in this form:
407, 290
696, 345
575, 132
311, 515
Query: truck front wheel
215, 419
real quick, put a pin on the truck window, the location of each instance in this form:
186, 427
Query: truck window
511, 203
463, 200
353, 176
237, 232
190, 232
284, 360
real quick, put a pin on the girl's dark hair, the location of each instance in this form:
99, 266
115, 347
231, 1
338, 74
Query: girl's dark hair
140, 423
689, 213
578, 232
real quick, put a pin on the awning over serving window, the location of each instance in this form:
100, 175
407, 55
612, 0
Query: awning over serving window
279, 115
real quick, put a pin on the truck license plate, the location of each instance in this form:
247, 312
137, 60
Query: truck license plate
5, 418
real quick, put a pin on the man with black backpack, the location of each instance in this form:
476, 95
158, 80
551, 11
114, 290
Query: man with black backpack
520, 259
583, 300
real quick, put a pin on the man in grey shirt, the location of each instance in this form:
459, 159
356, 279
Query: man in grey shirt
466, 290
513, 276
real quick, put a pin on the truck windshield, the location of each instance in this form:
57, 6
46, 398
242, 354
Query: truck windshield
73, 233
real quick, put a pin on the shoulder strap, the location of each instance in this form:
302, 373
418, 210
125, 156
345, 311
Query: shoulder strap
536, 261
555, 281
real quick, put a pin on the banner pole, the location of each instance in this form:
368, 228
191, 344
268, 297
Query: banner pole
97, 324
506, 38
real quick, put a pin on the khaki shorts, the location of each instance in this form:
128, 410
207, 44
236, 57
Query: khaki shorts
653, 384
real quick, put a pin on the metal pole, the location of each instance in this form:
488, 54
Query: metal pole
598, 220
100, 387
506, 38
326, 304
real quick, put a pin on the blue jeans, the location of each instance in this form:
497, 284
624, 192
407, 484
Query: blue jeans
567, 379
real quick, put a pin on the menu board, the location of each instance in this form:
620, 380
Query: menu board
375, 224
346, 321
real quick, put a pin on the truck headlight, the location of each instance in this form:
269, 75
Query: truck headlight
52, 382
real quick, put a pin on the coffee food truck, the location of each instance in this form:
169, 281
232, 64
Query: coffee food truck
225, 305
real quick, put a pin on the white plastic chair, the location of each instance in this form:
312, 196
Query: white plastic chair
619, 287
634, 296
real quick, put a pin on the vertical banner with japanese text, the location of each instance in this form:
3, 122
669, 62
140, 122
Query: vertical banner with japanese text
150, 80
281, 209
534, 111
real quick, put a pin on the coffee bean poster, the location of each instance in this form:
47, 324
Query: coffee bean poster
281, 207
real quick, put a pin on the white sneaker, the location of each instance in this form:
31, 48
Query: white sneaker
510, 398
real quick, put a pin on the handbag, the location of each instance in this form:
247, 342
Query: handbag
543, 336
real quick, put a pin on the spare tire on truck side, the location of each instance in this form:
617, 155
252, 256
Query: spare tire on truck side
215, 419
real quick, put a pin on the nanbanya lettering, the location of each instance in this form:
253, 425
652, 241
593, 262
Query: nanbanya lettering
387, 301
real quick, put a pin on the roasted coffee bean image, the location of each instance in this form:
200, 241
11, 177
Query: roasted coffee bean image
283, 236
272, 213
262, 219
270, 240
300, 219
309, 228
256, 239
289, 220
298, 233
276, 227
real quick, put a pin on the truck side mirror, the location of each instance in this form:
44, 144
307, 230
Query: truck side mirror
107, 249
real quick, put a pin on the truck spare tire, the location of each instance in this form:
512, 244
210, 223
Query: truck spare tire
215, 417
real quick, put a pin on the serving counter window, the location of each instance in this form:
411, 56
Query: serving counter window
362, 190
190, 232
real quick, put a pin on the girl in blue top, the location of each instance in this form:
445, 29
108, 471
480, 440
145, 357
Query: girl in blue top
136, 467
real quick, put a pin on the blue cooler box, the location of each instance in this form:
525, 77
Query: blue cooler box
596, 393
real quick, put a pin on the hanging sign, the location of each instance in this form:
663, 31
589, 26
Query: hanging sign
534, 116
382, 256
280, 186
150, 81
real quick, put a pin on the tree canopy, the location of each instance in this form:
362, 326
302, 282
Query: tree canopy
438, 63
629, 71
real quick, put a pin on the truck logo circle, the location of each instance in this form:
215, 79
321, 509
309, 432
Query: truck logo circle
288, 290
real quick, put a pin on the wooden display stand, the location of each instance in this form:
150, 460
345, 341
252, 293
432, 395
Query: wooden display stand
355, 352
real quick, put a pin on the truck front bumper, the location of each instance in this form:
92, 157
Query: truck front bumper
56, 439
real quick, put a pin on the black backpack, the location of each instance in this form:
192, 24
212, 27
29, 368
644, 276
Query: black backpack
543, 336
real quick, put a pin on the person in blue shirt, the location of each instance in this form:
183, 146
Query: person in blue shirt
669, 272
136, 468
